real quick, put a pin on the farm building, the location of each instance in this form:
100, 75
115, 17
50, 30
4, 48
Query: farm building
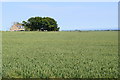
17, 27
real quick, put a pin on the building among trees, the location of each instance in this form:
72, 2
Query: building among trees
17, 27
36, 24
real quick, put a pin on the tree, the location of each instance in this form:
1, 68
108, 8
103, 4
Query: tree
39, 23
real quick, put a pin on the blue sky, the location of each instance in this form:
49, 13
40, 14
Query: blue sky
69, 15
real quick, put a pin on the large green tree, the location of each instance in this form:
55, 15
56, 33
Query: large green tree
41, 24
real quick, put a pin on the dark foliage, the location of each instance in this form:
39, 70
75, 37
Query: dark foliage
40, 24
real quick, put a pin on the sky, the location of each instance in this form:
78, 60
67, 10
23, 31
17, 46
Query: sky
60, 0
69, 15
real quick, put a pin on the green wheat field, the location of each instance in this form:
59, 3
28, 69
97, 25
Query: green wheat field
87, 54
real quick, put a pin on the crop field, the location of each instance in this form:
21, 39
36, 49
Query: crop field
92, 54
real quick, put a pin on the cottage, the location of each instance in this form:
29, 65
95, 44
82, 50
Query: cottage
17, 27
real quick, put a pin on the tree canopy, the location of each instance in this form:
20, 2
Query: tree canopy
41, 24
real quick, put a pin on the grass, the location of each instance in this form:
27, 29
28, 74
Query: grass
0, 55
91, 54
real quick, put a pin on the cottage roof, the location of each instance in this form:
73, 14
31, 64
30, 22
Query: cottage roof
17, 27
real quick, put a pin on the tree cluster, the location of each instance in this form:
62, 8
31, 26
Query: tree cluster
41, 24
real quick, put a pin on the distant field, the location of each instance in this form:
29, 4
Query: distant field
60, 54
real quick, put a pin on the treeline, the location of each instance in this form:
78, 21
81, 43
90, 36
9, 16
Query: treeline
87, 30
40, 24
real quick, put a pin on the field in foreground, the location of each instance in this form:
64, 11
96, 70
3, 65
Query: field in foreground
60, 54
